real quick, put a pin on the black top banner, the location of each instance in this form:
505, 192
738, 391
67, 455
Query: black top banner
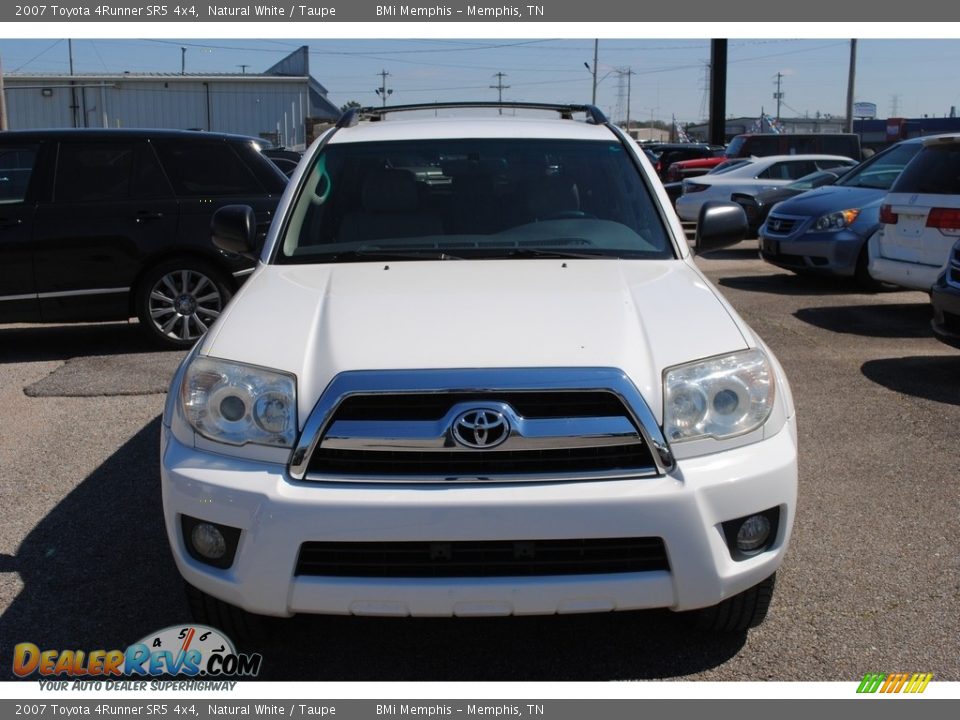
572, 11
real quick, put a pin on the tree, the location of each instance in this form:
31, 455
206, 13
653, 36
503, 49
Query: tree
350, 105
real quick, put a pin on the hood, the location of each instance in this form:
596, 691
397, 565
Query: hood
830, 199
316, 321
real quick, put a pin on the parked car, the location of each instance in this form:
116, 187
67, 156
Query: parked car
762, 174
682, 169
675, 189
920, 217
763, 144
757, 205
945, 297
825, 231
112, 224
510, 392
286, 160
669, 153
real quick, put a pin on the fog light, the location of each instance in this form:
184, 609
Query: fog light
208, 541
750, 535
753, 533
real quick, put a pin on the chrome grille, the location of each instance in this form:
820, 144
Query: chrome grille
780, 225
418, 426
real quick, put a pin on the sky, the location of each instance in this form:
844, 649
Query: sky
667, 78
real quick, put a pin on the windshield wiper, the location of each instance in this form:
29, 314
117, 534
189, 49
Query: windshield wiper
354, 255
531, 252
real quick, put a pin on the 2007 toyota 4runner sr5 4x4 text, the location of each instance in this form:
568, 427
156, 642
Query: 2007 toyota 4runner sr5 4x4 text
476, 372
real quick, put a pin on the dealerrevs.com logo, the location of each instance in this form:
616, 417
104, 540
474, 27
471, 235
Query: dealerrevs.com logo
183, 650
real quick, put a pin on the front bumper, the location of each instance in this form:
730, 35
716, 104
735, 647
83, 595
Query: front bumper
276, 514
833, 253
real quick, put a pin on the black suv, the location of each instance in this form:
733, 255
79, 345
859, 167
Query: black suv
113, 224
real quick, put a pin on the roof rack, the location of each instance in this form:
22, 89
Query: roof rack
352, 116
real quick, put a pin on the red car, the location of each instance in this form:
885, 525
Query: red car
692, 168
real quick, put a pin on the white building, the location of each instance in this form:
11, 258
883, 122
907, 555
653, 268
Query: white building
281, 104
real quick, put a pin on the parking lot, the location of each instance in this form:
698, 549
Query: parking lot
871, 583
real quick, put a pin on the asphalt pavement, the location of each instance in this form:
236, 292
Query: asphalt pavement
871, 582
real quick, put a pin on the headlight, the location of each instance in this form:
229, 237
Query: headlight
718, 397
831, 222
237, 404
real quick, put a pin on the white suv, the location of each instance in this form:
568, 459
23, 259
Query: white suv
920, 217
477, 372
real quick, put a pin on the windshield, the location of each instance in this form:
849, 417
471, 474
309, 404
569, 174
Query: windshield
484, 198
882, 169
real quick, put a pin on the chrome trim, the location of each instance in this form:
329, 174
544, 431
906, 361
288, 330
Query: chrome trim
243, 273
80, 293
65, 293
369, 382
525, 434
796, 221
486, 479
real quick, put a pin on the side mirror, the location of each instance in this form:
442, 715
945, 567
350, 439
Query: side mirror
719, 224
234, 230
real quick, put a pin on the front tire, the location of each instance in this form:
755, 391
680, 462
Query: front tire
739, 613
178, 300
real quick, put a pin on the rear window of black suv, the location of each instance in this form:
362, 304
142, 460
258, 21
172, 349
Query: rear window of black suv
199, 169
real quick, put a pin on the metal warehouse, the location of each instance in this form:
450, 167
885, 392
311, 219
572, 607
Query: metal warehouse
281, 104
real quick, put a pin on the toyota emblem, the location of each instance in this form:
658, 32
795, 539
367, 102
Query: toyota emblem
480, 428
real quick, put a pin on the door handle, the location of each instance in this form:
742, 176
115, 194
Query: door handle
5, 223
147, 215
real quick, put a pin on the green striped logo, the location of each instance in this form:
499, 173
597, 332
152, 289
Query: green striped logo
895, 683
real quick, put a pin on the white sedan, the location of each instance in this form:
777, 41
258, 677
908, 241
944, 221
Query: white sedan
762, 173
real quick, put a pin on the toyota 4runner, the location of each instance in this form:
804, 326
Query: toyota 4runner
477, 372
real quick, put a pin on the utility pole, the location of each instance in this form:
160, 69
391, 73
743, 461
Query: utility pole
596, 52
500, 87
778, 95
243, 69
382, 91
628, 72
183, 60
4, 125
851, 81
73, 91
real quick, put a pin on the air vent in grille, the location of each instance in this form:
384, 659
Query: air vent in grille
433, 406
780, 225
480, 425
497, 558
404, 437
478, 464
